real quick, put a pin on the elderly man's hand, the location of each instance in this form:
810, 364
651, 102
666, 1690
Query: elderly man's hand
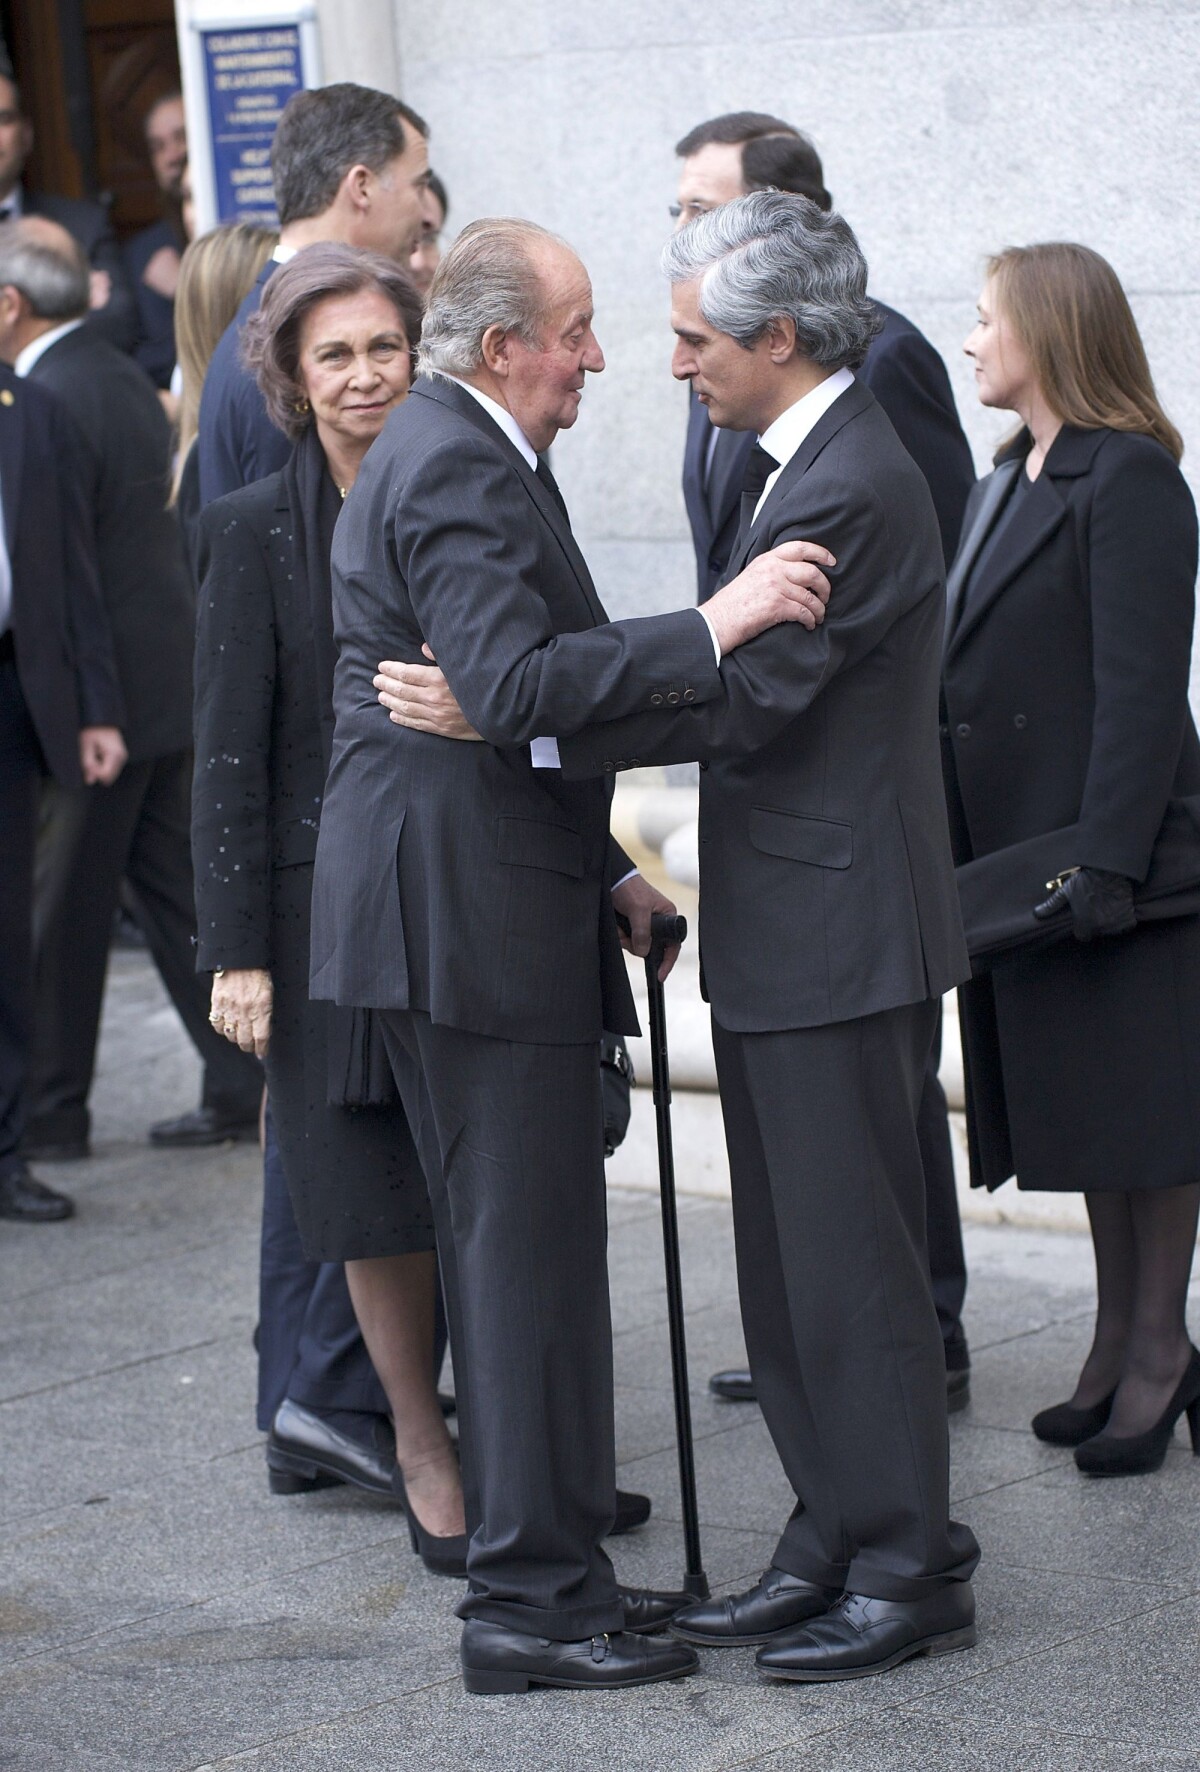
419, 697
637, 901
242, 1000
785, 585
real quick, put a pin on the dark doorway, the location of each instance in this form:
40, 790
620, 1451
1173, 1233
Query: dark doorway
89, 70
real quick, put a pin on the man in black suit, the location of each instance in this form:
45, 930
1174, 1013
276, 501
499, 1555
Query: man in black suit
829, 928
348, 164
110, 305
138, 831
722, 159
467, 893
60, 713
152, 258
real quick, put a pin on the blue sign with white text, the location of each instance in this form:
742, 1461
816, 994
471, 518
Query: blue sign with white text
250, 74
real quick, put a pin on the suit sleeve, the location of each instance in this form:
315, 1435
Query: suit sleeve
910, 382
466, 542
1141, 569
771, 680
235, 687
77, 471
237, 442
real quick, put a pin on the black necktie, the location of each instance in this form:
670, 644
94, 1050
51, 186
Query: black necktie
759, 468
551, 484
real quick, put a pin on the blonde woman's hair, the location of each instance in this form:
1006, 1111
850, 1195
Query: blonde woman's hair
1066, 305
217, 273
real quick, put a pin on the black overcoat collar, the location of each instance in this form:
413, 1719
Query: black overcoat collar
12, 454
449, 393
1069, 457
856, 399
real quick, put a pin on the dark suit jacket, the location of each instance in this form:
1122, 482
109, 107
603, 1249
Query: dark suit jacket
260, 767
1066, 673
125, 445
89, 224
60, 628
908, 379
154, 348
827, 890
455, 878
237, 442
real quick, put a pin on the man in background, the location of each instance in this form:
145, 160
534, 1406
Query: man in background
427, 254
60, 714
723, 159
110, 305
153, 256
139, 830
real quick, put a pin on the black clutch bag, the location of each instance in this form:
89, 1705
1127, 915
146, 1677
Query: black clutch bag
997, 893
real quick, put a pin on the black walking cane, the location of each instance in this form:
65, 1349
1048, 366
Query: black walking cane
668, 931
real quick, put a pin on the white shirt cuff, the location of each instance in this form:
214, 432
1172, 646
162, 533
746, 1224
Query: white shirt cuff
543, 753
631, 875
712, 632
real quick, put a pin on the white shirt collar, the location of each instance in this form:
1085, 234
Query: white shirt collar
29, 356
783, 438
14, 202
282, 253
504, 418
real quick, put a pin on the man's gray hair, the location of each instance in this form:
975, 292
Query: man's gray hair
53, 279
488, 278
772, 255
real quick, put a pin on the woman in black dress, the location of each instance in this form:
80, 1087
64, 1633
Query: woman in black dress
1066, 709
332, 348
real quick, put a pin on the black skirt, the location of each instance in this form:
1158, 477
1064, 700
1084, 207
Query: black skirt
1083, 1064
353, 1174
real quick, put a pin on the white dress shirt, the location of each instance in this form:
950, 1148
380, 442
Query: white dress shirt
29, 356
784, 437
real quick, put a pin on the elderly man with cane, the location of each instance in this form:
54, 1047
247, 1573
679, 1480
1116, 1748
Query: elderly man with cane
467, 892
830, 928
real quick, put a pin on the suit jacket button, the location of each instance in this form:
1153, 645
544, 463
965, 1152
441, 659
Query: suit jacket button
673, 697
1020, 722
944, 731
656, 701
635, 763
704, 765
963, 731
608, 768
689, 695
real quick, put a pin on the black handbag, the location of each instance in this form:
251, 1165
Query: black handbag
997, 892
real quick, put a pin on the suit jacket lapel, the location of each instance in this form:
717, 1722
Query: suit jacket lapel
450, 394
856, 399
12, 461
992, 496
1040, 516
729, 460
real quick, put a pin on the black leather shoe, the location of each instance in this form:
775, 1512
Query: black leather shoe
733, 1386
441, 1553
958, 1390
204, 1126
648, 1610
1064, 1425
778, 1603
31, 1202
632, 1510
304, 1451
495, 1659
860, 1636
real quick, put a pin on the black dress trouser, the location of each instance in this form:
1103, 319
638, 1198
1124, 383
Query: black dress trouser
20, 780
511, 1139
91, 840
841, 1331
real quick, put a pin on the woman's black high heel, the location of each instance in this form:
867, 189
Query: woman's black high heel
1064, 1425
441, 1554
1113, 1455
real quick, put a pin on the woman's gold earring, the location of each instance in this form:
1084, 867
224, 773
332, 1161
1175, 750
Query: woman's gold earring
302, 405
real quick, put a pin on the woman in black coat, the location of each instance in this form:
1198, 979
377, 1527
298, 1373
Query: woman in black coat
1069, 637
332, 347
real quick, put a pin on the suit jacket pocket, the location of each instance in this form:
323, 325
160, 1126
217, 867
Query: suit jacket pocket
822, 842
533, 843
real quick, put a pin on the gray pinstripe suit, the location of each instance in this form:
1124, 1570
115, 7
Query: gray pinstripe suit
467, 893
